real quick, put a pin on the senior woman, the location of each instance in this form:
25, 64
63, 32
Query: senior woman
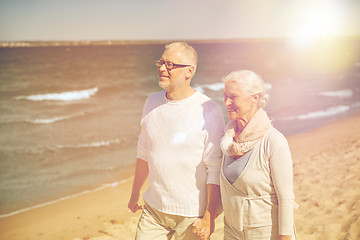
256, 178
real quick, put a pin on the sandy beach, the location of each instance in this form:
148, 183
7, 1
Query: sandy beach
326, 182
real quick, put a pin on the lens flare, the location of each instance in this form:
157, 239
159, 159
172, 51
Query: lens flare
324, 19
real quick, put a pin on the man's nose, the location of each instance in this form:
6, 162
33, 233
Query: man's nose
227, 101
162, 67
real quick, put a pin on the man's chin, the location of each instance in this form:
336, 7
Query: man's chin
164, 85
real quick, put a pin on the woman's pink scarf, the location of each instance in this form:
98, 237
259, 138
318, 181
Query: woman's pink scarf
253, 131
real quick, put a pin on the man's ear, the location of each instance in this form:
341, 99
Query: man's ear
190, 72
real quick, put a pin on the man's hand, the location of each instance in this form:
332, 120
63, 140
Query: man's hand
141, 173
284, 237
203, 227
133, 204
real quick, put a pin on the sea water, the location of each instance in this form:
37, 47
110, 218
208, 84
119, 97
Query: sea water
69, 116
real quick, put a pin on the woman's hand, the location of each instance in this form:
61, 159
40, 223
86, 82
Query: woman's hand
202, 228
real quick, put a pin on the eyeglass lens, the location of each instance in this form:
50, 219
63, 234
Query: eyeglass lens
168, 64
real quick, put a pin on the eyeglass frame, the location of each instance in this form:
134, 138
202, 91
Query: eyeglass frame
161, 62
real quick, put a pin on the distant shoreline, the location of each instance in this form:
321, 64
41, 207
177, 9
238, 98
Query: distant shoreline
14, 44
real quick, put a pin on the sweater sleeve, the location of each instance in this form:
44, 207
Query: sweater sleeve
212, 153
141, 146
142, 139
282, 175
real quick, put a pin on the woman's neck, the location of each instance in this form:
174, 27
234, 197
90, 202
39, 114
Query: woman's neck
242, 122
240, 125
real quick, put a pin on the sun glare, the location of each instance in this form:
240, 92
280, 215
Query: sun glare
319, 40
319, 21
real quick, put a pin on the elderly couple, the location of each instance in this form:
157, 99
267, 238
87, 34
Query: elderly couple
195, 170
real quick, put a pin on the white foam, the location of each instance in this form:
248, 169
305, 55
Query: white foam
199, 89
54, 119
91, 145
346, 93
219, 87
114, 184
63, 96
320, 114
213, 87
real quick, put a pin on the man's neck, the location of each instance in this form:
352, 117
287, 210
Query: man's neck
180, 93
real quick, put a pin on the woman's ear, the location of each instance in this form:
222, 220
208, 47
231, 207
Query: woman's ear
255, 97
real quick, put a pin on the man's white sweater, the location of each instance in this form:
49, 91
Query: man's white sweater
180, 142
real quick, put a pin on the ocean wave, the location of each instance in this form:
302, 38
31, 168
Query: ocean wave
213, 87
346, 93
104, 186
63, 96
91, 145
218, 87
320, 114
54, 119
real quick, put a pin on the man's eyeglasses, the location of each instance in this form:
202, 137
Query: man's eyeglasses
169, 65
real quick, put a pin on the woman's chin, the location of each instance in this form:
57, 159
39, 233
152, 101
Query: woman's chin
232, 116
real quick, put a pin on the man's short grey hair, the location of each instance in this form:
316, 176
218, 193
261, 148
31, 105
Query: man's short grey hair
187, 50
252, 83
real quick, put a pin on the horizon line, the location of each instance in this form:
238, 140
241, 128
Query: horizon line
109, 42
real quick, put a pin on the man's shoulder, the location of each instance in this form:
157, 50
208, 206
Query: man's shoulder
207, 102
156, 95
202, 97
155, 98
153, 101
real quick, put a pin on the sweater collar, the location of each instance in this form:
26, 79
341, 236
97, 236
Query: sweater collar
185, 100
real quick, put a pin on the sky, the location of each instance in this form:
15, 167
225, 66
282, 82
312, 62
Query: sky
74, 20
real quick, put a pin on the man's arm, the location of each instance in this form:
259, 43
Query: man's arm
205, 226
141, 173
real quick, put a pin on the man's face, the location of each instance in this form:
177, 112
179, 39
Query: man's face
170, 79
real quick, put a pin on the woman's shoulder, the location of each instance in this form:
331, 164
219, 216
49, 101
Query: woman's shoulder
274, 134
274, 138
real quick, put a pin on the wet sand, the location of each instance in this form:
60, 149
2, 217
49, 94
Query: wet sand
326, 183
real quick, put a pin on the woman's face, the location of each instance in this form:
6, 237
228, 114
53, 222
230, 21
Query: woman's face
239, 104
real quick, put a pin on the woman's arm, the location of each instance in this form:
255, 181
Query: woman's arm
281, 169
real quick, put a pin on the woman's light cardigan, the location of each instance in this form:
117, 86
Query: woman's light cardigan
263, 193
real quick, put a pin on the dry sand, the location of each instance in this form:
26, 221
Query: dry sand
326, 181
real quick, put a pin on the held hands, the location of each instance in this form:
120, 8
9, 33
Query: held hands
133, 204
203, 227
284, 237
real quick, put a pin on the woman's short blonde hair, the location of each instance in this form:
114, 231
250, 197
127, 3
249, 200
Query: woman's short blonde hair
252, 83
